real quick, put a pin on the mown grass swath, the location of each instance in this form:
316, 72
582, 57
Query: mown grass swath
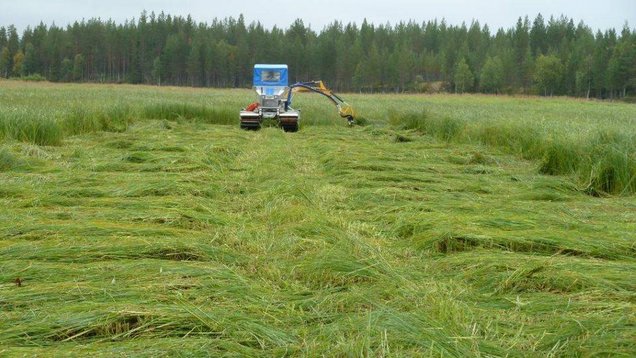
446, 226
7, 159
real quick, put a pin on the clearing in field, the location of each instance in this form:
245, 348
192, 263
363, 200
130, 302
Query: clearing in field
143, 221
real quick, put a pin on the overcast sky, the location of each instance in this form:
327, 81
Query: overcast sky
496, 13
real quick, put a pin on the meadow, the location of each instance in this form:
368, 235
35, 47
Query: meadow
138, 220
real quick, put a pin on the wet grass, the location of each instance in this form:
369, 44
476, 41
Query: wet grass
150, 229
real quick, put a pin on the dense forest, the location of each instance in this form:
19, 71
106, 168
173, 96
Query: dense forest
546, 57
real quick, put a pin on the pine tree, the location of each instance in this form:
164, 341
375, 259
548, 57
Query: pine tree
621, 68
538, 36
196, 63
5, 62
3, 37
211, 64
13, 44
78, 68
66, 70
405, 65
30, 65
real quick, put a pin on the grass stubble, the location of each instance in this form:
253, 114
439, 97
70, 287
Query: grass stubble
146, 225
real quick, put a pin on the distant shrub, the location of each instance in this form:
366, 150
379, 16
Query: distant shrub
34, 78
431, 87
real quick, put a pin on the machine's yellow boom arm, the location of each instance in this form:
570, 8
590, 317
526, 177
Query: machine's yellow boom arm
345, 110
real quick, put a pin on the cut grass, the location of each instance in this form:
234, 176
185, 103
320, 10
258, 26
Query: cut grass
8, 160
178, 236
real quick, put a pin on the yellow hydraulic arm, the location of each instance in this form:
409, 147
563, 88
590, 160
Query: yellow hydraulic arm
345, 110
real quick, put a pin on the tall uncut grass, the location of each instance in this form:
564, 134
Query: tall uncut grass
32, 128
115, 118
604, 161
186, 111
50, 129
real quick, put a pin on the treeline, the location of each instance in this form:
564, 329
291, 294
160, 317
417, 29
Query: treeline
553, 57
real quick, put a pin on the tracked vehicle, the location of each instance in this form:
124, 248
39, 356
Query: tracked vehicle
275, 95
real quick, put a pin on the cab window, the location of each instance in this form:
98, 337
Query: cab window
270, 76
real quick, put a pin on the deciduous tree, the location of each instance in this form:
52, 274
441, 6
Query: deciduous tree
492, 75
464, 78
549, 72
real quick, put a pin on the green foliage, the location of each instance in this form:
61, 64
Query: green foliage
621, 70
491, 79
30, 65
18, 64
463, 78
33, 78
66, 70
157, 70
78, 68
5, 62
584, 77
548, 74
407, 57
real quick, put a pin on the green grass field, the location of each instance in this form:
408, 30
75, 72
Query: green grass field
143, 221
